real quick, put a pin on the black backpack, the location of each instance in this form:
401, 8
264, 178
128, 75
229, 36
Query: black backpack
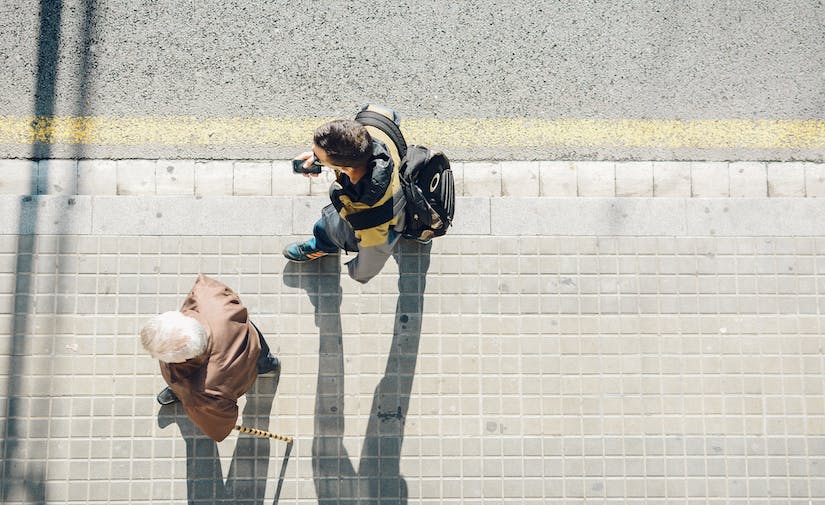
426, 178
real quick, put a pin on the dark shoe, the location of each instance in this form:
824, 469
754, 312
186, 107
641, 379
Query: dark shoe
174, 414
167, 396
304, 251
274, 366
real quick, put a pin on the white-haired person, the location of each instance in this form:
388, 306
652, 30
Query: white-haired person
210, 354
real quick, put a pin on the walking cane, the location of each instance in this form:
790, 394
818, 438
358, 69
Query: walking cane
262, 433
266, 434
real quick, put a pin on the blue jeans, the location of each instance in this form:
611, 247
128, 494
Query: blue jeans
322, 240
332, 233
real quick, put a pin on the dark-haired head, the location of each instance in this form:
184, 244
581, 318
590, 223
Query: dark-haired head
345, 142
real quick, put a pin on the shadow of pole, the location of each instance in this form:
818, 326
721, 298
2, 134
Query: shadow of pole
378, 479
22, 480
89, 34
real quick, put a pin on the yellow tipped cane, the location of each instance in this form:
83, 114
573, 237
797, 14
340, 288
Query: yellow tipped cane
266, 434
261, 433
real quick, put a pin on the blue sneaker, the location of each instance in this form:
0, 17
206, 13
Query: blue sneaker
305, 251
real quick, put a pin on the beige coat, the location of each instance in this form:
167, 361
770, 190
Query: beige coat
210, 385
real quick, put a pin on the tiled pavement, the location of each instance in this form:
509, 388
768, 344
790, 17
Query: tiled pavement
619, 349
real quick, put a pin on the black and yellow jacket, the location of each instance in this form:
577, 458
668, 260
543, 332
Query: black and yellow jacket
373, 209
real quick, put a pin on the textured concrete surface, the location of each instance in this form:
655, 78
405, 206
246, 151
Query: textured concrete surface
651, 59
625, 350
648, 60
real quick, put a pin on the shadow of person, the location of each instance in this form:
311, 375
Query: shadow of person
246, 481
378, 479
333, 473
381, 453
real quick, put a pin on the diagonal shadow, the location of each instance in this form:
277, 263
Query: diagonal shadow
89, 33
334, 475
381, 453
378, 479
246, 481
20, 481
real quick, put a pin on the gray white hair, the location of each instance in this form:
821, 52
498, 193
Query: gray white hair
172, 337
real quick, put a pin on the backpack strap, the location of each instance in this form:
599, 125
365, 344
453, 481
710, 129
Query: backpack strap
385, 125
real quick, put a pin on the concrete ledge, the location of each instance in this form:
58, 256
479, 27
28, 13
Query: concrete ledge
588, 216
479, 216
220, 215
590, 179
53, 215
756, 217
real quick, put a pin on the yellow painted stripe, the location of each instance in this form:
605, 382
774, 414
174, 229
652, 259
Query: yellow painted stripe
467, 133
152, 130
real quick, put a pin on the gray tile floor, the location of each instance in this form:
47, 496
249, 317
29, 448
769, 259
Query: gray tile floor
539, 369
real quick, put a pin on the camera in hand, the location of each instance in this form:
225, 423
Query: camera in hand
298, 167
